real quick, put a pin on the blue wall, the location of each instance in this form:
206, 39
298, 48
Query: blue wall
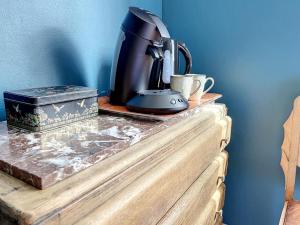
252, 48
60, 42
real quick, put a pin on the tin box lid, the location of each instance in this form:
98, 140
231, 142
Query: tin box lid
50, 95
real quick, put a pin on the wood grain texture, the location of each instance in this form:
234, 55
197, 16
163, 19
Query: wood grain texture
290, 149
219, 197
207, 216
283, 213
227, 124
292, 214
223, 160
194, 199
188, 207
99, 187
229, 128
33, 206
148, 198
219, 219
290, 159
213, 209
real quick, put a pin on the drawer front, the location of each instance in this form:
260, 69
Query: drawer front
219, 219
207, 216
212, 214
148, 198
195, 200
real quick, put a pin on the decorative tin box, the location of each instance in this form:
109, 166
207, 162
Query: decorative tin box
49, 107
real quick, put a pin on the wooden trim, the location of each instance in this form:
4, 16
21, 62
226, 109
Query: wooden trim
223, 160
282, 218
290, 154
219, 219
290, 148
226, 123
219, 197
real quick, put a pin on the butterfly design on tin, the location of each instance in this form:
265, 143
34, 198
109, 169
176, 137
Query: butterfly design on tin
17, 108
81, 104
57, 108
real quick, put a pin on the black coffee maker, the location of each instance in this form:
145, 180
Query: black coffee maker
145, 57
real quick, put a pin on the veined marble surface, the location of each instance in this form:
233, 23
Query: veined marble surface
44, 158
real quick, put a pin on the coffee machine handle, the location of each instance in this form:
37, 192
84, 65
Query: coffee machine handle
187, 56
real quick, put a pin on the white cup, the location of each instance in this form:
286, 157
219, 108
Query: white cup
200, 92
185, 84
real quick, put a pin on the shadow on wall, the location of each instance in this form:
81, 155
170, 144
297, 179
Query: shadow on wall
67, 62
54, 60
104, 77
287, 96
64, 57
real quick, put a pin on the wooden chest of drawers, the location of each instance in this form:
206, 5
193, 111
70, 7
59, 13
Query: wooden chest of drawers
172, 177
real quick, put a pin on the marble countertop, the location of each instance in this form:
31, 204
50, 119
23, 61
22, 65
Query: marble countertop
42, 159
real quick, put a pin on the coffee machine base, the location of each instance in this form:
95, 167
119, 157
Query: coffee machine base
158, 102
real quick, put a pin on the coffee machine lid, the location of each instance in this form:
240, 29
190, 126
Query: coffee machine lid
145, 24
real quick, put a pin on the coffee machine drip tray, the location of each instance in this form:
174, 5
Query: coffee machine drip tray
158, 102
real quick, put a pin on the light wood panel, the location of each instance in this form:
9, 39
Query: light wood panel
212, 213
189, 206
148, 198
195, 198
292, 214
226, 123
283, 213
289, 161
207, 216
219, 219
223, 160
219, 197
290, 149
